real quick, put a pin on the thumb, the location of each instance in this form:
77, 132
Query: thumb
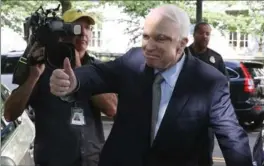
67, 67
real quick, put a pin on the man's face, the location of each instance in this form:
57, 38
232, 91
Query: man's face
202, 36
161, 42
81, 42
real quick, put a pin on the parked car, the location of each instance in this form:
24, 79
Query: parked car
246, 90
16, 137
8, 63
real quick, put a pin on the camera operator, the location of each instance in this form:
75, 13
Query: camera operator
61, 139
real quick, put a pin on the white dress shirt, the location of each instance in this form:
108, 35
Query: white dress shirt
167, 86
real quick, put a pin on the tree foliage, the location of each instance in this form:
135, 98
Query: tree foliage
14, 12
137, 10
66, 5
88, 7
257, 17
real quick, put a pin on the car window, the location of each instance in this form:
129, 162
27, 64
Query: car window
7, 128
8, 65
232, 73
3, 59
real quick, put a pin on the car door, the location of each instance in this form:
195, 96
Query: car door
16, 136
235, 87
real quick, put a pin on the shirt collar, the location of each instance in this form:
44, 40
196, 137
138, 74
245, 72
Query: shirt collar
171, 74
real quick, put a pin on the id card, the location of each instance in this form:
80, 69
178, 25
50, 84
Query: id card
77, 117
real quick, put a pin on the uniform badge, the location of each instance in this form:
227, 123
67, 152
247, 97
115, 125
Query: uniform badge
212, 59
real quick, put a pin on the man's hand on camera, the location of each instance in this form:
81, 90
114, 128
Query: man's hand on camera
63, 81
38, 53
36, 71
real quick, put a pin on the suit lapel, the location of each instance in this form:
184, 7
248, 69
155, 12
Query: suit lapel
145, 102
179, 97
147, 78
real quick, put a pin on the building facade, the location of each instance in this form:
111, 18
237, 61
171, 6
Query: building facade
110, 37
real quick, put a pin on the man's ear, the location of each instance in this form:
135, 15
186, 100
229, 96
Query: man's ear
184, 42
182, 45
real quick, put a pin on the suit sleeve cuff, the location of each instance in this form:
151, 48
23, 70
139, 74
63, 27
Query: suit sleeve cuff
77, 87
71, 97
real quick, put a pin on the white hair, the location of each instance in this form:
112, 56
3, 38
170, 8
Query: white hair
179, 17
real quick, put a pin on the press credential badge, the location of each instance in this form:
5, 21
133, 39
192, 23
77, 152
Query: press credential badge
77, 116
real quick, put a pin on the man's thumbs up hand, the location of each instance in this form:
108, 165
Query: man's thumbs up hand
67, 67
63, 81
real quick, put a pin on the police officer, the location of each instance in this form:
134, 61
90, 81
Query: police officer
67, 133
199, 48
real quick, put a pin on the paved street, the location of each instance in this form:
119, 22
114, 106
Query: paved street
218, 157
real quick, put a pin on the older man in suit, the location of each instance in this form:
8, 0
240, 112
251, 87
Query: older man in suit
167, 100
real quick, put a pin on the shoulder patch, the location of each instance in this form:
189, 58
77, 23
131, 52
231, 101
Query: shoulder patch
216, 54
212, 59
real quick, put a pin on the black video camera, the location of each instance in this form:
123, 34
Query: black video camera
49, 32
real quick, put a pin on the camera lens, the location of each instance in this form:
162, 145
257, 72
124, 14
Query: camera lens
59, 52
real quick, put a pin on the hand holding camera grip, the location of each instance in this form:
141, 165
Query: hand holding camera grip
36, 55
30, 57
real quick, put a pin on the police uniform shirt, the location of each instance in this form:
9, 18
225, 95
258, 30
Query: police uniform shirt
57, 141
211, 57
